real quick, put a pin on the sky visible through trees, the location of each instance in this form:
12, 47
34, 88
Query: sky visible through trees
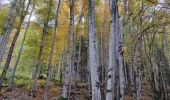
85, 49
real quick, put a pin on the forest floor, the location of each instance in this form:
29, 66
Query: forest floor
79, 91
22, 93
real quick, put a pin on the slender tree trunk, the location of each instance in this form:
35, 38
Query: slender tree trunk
8, 20
74, 60
67, 66
96, 94
61, 63
19, 54
41, 50
116, 31
112, 52
79, 59
52, 50
137, 57
121, 68
137, 72
3, 75
104, 51
7, 31
131, 53
121, 65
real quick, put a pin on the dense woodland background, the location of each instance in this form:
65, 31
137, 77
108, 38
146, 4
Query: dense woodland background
85, 49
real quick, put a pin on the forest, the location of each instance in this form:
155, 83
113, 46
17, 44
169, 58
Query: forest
84, 50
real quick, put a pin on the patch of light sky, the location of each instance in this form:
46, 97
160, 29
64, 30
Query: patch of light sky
5, 1
160, 4
33, 18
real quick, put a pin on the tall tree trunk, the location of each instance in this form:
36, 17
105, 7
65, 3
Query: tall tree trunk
116, 31
137, 72
19, 53
104, 51
74, 59
67, 66
79, 59
52, 50
61, 66
96, 94
8, 30
121, 62
131, 53
41, 50
61, 63
121, 67
8, 20
23, 14
112, 52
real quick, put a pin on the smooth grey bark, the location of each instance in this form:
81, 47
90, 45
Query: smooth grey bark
60, 69
67, 69
1, 39
74, 60
19, 53
137, 72
96, 94
104, 51
121, 62
101, 56
52, 50
116, 31
112, 52
79, 58
131, 51
41, 50
23, 14
121, 69
60, 64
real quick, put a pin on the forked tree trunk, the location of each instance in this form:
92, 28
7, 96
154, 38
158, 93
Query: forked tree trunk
23, 14
67, 69
41, 50
112, 52
96, 94
52, 50
19, 53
